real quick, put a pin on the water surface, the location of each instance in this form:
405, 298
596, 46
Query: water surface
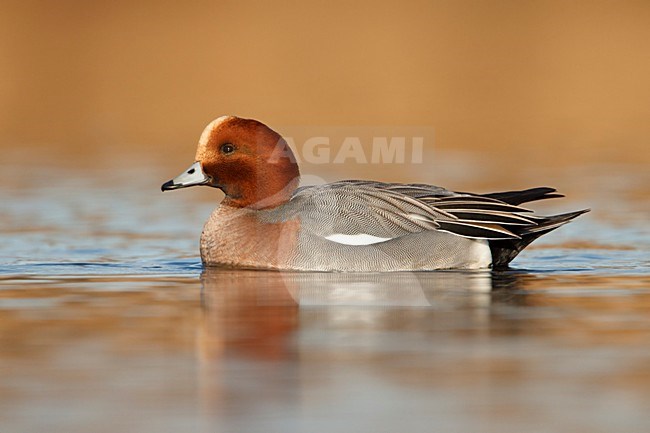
109, 323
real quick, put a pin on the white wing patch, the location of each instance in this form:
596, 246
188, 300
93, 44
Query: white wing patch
359, 239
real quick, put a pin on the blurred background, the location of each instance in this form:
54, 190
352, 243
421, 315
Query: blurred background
109, 322
544, 81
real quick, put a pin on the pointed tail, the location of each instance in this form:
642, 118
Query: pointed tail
505, 250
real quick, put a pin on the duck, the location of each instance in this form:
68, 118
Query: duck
267, 220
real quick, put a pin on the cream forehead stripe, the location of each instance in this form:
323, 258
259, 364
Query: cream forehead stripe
205, 135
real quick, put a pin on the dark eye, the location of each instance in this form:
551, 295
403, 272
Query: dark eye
227, 148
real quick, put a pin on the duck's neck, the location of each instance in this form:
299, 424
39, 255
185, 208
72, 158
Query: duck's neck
265, 191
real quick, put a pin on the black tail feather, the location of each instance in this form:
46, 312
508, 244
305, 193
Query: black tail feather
505, 250
518, 197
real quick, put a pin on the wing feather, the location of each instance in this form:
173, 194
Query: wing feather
390, 210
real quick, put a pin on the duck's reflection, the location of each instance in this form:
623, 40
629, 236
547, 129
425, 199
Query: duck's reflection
251, 311
269, 328
394, 289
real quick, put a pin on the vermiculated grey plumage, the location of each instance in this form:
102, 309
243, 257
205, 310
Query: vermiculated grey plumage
390, 210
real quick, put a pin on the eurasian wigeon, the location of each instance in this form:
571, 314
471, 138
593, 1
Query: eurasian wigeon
267, 221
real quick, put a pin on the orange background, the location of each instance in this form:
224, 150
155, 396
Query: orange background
537, 80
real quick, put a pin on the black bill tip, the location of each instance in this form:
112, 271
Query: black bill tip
169, 185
